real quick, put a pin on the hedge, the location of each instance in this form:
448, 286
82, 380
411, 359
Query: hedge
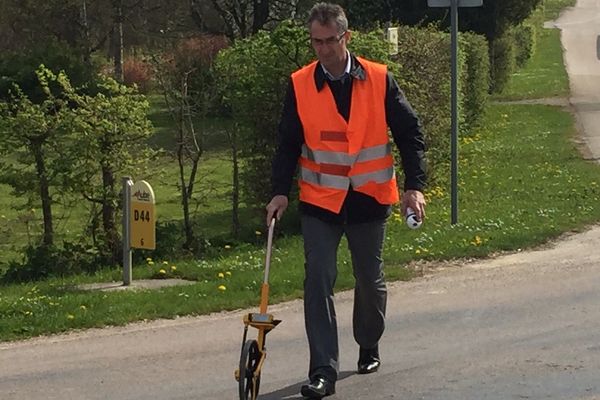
253, 74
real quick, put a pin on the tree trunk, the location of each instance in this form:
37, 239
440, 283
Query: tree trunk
108, 213
87, 48
186, 189
261, 14
185, 201
117, 39
40, 165
235, 191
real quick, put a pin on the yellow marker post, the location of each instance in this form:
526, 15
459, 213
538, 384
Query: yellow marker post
142, 217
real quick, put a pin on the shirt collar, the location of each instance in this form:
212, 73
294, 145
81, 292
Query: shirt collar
356, 71
346, 70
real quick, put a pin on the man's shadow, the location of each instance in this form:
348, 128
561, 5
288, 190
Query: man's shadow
292, 392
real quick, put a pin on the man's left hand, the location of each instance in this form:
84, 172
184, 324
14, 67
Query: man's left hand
415, 200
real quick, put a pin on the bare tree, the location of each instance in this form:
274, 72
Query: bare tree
185, 80
243, 18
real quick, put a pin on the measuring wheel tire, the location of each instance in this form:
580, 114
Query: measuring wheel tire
249, 381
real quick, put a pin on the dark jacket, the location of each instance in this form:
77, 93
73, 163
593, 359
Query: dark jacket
406, 132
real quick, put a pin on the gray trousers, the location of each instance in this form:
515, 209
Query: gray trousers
321, 241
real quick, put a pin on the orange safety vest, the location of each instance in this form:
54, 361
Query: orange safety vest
336, 153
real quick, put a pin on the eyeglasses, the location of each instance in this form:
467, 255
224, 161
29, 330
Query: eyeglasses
330, 41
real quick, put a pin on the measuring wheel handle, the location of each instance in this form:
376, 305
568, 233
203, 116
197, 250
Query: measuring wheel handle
253, 350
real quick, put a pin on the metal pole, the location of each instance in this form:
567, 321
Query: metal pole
127, 184
454, 107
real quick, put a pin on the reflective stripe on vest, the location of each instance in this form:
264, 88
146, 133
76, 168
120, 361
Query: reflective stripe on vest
341, 182
380, 176
337, 157
325, 180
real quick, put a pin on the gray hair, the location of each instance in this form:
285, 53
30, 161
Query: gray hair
326, 13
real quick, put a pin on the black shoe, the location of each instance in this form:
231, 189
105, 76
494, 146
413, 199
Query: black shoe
368, 360
318, 388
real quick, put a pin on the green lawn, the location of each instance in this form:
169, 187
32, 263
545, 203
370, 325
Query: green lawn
552, 8
521, 183
543, 76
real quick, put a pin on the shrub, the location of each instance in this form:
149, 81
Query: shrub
137, 72
19, 68
476, 78
424, 65
253, 75
42, 262
525, 37
502, 60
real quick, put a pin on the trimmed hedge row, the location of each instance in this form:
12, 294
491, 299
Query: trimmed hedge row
253, 75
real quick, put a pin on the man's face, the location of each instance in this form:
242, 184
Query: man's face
329, 44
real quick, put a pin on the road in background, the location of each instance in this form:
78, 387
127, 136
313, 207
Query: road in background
580, 37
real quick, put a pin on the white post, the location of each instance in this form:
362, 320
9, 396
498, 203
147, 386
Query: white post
127, 184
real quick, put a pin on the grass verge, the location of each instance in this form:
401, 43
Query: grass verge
544, 75
521, 182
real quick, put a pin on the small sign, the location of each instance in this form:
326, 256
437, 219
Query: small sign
461, 3
142, 217
391, 35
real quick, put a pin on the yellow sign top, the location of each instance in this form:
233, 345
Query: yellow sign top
142, 192
142, 217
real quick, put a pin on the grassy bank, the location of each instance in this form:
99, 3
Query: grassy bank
522, 182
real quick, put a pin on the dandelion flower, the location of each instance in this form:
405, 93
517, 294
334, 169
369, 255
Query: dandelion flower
221, 275
417, 251
162, 271
150, 262
166, 262
173, 268
222, 288
148, 259
228, 273
258, 233
83, 307
227, 246
70, 316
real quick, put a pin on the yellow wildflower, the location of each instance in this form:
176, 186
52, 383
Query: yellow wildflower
162, 271
221, 275
222, 288
228, 273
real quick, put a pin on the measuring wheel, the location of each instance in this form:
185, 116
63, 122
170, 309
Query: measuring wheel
249, 374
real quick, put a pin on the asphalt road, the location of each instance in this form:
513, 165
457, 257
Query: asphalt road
521, 326
580, 28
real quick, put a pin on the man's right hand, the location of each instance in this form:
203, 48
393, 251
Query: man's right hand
276, 207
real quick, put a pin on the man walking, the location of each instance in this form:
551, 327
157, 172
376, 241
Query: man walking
334, 126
